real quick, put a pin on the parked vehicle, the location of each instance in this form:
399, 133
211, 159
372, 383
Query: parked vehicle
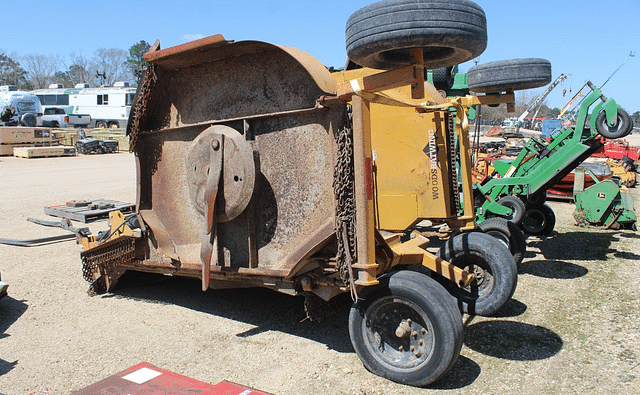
18, 107
58, 118
108, 107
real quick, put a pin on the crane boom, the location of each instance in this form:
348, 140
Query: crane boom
541, 98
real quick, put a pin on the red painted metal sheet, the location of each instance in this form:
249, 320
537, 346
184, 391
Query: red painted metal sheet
229, 388
145, 378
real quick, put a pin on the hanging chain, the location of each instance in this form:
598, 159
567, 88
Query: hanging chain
139, 108
344, 190
453, 154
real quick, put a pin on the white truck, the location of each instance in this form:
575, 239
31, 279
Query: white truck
18, 107
55, 117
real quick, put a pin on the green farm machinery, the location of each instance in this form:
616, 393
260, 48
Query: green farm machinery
519, 192
603, 204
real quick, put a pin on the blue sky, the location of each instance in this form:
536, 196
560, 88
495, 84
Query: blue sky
588, 39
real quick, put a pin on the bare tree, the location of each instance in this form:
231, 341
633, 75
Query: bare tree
109, 65
40, 69
78, 70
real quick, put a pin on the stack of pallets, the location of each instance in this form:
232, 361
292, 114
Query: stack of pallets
30, 142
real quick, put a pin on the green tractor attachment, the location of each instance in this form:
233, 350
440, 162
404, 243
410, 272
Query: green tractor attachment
603, 204
518, 194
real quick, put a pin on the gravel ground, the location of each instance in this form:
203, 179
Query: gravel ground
572, 327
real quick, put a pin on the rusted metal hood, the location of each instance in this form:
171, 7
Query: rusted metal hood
235, 155
216, 47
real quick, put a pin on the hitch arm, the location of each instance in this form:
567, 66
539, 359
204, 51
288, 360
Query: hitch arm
210, 195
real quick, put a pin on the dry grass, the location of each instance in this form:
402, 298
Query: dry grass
572, 327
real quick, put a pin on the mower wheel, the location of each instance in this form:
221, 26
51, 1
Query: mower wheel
509, 75
516, 205
623, 126
538, 220
443, 78
493, 265
406, 329
537, 200
381, 35
508, 234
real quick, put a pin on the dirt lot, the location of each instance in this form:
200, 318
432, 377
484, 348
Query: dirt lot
573, 325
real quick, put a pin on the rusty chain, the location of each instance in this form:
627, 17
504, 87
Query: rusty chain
139, 108
453, 153
344, 190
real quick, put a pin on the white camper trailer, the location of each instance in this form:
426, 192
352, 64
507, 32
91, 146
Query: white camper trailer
108, 106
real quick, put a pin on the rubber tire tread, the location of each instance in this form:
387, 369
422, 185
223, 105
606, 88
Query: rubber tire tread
517, 238
624, 126
501, 264
506, 75
443, 314
381, 34
443, 78
537, 200
549, 222
516, 204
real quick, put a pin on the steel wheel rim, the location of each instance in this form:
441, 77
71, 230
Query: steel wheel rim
385, 318
484, 283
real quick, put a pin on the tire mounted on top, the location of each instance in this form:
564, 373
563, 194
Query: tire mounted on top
509, 75
381, 35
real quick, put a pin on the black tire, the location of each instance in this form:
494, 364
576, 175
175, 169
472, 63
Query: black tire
508, 234
537, 200
494, 266
29, 120
381, 34
406, 301
623, 126
517, 208
101, 125
538, 220
508, 75
443, 78
55, 124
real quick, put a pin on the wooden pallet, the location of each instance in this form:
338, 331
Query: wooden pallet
43, 152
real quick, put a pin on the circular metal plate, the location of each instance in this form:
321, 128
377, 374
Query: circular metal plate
238, 176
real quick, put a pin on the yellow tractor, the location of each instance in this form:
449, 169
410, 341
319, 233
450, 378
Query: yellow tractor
257, 167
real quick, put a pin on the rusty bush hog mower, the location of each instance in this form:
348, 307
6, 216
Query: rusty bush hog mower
257, 167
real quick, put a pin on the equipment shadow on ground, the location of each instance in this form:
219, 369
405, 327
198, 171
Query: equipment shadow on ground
514, 341
552, 269
272, 311
10, 311
575, 246
267, 310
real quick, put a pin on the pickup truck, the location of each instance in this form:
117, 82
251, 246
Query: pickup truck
57, 118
